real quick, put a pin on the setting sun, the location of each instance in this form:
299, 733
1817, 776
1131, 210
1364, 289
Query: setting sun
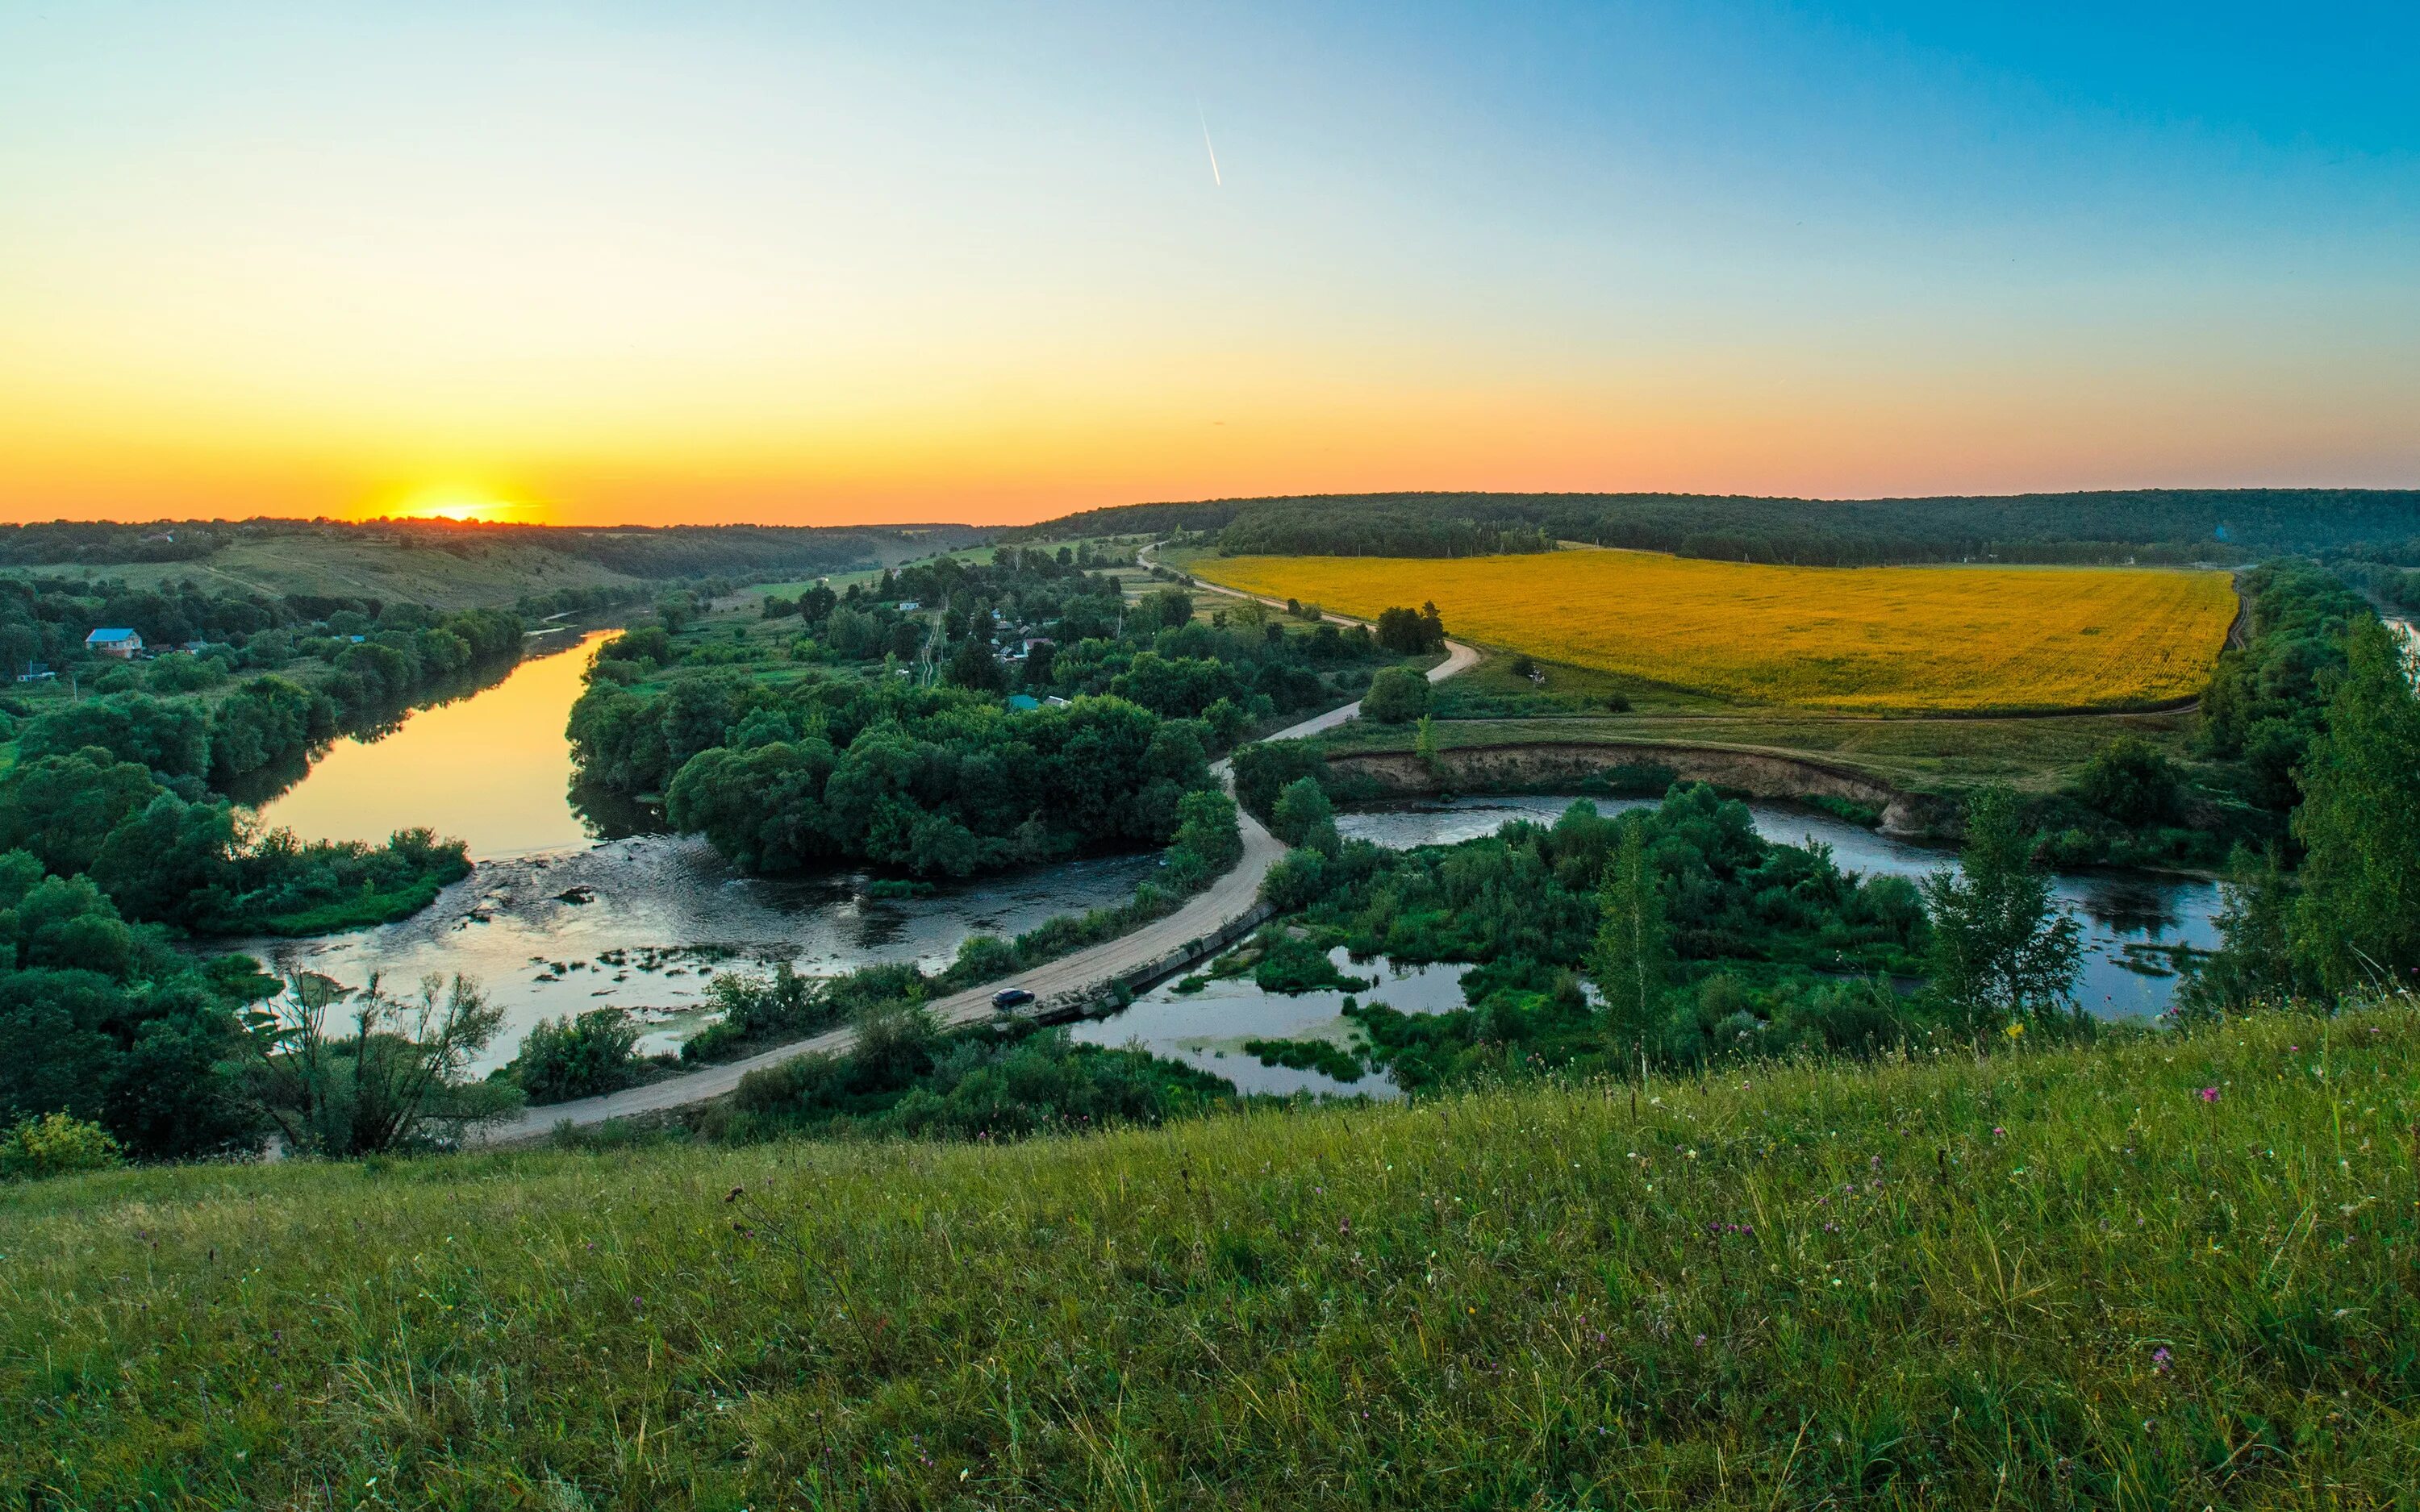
457, 503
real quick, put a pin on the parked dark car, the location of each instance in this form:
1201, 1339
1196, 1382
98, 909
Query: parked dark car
1011, 998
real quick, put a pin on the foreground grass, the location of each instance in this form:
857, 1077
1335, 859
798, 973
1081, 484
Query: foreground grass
2050, 1279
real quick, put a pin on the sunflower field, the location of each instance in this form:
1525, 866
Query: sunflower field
1871, 640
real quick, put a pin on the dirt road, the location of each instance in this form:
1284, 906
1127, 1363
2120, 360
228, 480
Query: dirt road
1203, 915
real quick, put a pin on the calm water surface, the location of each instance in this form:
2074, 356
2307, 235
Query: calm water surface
546, 903
491, 769
2132, 920
545, 899
1206, 1030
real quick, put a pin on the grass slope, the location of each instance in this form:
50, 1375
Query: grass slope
469, 574
2048, 1279
1874, 639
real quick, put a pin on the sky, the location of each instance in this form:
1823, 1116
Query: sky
811, 264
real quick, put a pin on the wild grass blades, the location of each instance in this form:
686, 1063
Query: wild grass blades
2039, 1278
1878, 640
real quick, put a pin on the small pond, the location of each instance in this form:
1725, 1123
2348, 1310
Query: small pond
1206, 1029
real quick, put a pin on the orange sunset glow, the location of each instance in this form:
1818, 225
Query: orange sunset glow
820, 271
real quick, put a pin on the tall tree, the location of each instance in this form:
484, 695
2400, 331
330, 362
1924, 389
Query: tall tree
2002, 951
1632, 961
2357, 923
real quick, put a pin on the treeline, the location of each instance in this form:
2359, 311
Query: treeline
676, 551
929, 779
265, 686
2397, 587
914, 763
62, 542
2150, 525
123, 790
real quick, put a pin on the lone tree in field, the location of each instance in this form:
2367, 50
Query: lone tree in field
1631, 959
2357, 923
2001, 951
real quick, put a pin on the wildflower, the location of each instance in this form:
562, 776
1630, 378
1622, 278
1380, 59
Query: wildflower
2160, 1358
1998, 1133
2209, 1094
1701, 1341
2015, 1032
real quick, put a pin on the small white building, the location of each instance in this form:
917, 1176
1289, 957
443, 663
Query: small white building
110, 641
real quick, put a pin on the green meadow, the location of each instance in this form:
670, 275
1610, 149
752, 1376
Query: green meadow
2171, 1270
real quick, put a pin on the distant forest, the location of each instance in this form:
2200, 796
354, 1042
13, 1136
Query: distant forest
636, 551
2222, 525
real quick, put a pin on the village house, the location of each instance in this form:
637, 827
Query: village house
107, 642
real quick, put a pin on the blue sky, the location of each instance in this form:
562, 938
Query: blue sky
810, 262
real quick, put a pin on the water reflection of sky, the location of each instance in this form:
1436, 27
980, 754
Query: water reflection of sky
679, 910
1206, 1030
2126, 915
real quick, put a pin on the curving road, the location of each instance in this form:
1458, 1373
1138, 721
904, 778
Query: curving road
1205, 914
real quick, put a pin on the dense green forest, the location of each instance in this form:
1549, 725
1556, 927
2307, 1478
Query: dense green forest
947, 717
2152, 525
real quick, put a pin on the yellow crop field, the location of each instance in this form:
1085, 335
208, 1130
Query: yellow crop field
1878, 640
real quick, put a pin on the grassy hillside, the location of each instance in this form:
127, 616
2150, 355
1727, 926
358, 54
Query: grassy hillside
2169, 1272
441, 563
358, 565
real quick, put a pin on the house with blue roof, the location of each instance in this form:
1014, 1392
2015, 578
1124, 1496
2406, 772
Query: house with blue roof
114, 642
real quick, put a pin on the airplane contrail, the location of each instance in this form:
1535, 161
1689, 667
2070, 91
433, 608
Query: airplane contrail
1205, 143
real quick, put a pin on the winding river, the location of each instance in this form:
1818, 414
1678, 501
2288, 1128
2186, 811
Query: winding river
557, 917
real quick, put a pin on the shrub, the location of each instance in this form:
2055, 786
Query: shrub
1397, 695
568, 1058
2131, 781
55, 1145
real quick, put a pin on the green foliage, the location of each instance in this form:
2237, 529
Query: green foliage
1264, 769
394, 1079
932, 782
2255, 966
1398, 695
1524, 904
1013, 1082
1303, 817
55, 1145
2357, 923
1325, 1057
1411, 632
1632, 957
1289, 963
2002, 952
2175, 525
2132, 781
104, 1022
168, 736
568, 1058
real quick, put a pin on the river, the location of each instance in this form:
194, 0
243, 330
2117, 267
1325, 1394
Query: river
2132, 924
557, 917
